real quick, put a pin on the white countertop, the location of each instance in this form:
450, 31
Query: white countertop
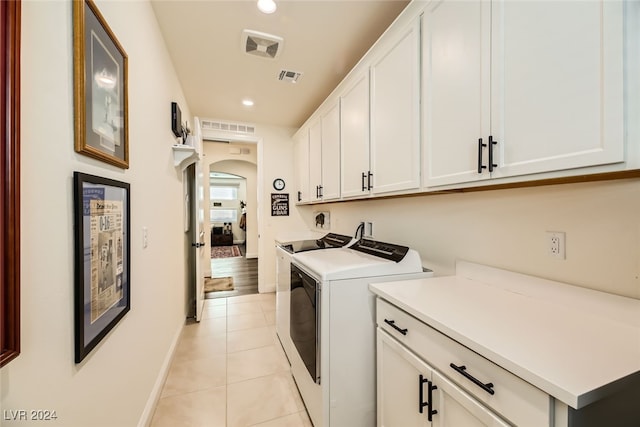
573, 343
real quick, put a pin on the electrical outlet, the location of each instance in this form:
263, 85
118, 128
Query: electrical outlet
368, 229
556, 244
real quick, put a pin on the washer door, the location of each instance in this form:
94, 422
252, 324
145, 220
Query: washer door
305, 319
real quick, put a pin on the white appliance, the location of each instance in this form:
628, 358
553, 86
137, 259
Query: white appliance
332, 326
284, 250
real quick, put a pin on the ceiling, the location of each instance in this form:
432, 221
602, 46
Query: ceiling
323, 39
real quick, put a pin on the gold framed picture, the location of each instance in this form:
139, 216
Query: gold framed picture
100, 93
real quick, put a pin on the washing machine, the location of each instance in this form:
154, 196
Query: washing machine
284, 250
332, 326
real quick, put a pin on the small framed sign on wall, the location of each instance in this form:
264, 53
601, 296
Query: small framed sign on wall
279, 204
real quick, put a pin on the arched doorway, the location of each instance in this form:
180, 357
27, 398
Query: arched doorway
231, 195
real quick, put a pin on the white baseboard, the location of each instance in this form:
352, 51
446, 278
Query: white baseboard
251, 255
264, 288
154, 396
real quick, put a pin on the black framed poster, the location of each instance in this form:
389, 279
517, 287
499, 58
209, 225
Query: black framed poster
102, 244
279, 204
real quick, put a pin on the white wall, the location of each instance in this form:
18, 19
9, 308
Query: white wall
276, 157
507, 229
115, 383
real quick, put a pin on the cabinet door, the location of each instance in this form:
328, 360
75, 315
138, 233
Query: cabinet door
315, 160
331, 154
456, 79
398, 385
557, 85
301, 157
457, 408
402, 387
395, 114
354, 138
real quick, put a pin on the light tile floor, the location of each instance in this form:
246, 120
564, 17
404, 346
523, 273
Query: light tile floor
229, 370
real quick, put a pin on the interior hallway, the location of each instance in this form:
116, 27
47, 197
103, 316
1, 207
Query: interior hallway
243, 271
230, 370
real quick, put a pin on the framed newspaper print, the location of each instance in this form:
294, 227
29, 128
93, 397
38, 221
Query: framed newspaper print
102, 248
100, 88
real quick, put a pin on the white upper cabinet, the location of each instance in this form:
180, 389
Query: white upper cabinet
395, 113
542, 80
354, 132
468, 93
323, 160
456, 98
330, 187
315, 161
301, 156
557, 85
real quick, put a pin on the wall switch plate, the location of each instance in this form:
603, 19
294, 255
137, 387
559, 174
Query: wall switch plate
145, 237
556, 244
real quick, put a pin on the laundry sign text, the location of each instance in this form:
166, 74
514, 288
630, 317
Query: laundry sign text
279, 204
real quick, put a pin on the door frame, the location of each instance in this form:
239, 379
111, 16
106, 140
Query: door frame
213, 136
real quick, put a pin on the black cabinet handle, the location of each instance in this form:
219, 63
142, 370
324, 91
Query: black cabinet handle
480, 146
321, 191
363, 178
392, 323
488, 387
429, 403
370, 181
299, 196
491, 144
430, 411
421, 403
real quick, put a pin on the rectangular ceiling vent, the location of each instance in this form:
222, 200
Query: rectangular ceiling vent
289, 76
261, 44
220, 126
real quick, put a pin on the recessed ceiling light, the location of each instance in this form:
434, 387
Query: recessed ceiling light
267, 6
247, 103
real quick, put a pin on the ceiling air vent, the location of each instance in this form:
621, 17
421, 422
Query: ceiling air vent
289, 76
261, 44
217, 125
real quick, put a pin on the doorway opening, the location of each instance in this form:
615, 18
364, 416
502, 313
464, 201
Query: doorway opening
233, 231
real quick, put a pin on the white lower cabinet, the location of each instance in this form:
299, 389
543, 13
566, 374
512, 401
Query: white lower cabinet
510, 353
398, 387
458, 387
412, 394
